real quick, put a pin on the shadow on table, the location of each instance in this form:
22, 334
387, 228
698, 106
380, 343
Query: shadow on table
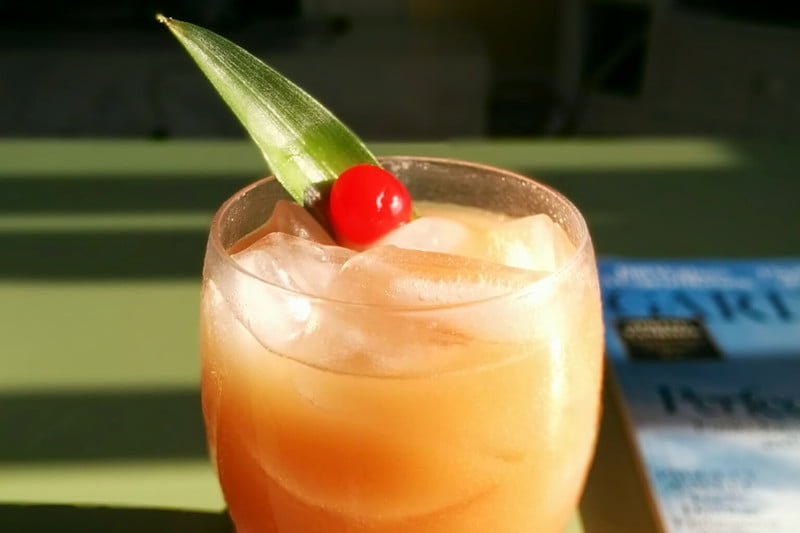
101, 425
67, 519
98, 251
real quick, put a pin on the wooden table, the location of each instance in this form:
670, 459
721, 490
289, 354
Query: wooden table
102, 244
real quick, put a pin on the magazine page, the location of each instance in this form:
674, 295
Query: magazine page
706, 358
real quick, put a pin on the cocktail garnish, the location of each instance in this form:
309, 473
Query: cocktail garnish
304, 144
366, 203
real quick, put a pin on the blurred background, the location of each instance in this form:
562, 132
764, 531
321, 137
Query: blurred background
413, 69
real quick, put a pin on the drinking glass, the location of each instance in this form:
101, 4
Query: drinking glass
324, 415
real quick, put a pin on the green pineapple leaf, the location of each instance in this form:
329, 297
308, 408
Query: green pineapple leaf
305, 146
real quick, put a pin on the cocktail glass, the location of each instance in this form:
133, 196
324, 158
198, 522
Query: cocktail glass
324, 415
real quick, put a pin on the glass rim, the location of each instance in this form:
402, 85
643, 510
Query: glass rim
584, 243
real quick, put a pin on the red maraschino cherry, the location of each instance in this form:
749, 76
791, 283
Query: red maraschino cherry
367, 202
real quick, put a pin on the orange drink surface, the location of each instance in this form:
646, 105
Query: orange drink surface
445, 380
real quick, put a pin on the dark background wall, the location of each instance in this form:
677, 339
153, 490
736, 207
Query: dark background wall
413, 69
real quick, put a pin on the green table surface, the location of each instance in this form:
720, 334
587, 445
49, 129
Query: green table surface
102, 243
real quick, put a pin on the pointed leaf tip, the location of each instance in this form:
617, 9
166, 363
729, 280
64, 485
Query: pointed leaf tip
304, 144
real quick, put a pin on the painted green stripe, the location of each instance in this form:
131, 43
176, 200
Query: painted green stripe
188, 159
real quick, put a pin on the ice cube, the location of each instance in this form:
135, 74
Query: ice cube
564, 250
413, 323
431, 234
289, 217
271, 299
293, 262
292, 219
389, 275
534, 242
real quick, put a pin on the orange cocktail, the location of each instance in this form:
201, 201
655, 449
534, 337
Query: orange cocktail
449, 388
